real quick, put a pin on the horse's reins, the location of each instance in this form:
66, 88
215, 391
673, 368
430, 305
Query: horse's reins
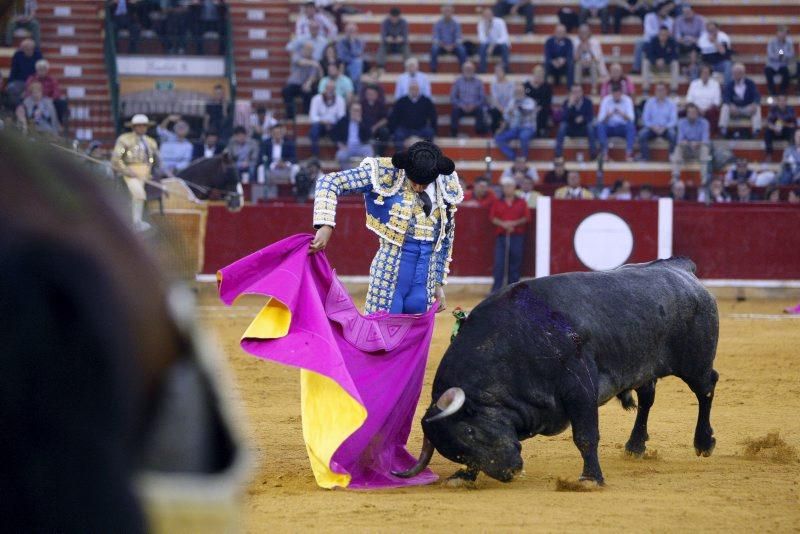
198, 187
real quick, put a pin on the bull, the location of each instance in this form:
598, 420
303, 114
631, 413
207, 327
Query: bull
543, 354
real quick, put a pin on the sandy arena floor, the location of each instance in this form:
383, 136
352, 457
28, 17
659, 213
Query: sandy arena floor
673, 490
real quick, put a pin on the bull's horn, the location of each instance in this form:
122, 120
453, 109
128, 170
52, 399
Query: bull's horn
424, 459
450, 402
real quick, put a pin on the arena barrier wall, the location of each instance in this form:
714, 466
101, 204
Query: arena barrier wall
741, 242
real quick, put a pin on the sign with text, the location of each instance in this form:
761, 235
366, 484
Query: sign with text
211, 67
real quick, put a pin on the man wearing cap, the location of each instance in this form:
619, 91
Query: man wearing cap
135, 157
411, 203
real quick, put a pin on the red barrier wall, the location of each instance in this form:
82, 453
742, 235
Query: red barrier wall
725, 241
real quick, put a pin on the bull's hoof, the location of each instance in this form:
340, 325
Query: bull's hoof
461, 479
583, 484
705, 452
635, 450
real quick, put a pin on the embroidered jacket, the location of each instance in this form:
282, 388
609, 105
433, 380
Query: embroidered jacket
394, 213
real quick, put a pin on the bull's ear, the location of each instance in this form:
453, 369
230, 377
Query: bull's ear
66, 395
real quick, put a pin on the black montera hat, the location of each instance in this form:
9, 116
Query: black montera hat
423, 162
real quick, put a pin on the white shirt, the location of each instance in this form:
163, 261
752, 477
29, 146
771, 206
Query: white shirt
404, 81
208, 151
321, 112
302, 28
269, 122
496, 34
277, 152
704, 96
739, 88
707, 47
653, 23
532, 173
608, 106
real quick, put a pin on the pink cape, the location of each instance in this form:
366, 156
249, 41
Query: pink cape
363, 373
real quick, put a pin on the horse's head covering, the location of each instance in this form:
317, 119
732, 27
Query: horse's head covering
423, 162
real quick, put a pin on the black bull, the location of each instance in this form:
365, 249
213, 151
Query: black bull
544, 354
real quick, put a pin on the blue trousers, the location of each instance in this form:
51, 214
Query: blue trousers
516, 243
524, 134
627, 130
411, 292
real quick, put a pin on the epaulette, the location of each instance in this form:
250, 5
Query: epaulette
452, 193
386, 180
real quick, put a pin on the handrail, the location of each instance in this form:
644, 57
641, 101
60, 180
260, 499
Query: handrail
110, 58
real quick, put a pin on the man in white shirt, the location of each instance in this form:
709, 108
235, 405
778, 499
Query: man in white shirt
316, 36
176, 150
308, 14
706, 93
327, 108
412, 74
715, 48
352, 138
280, 161
653, 22
616, 119
493, 39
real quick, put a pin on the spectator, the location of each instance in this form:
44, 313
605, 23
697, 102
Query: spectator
176, 150
715, 48
629, 8
208, 16
342, 84
413, 115
375, 117
677, 191
493, 39
394, 37
501, 93
322, 49
558, 174
521, 167
304, 72
714, 194
662, 56
780, 56
23, 66
350, 50
447, 38
646, 193
653, 22
412, 74
245, 153
740, 98
510, 215
595, 9
744, 193
467, 98
692, 143
352, 138
621, 190
615, 75
481, 195
691, 70
578, 114
573, 190
791, 162
261, 123
542, 93
740, 172
588, 58
50, 88
37, 113
309, 14
209, 147
794, 198
660, 117
772, 194
527, 191
279, 156
327, 108
616, 118
706, 94
687, 30
176, 26
372, 78
523, 8
558, 56
335, 9
124, 18
519, 122
24, 18
217, 115
781, 124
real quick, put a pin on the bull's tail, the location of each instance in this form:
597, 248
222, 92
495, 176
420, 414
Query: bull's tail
626, 399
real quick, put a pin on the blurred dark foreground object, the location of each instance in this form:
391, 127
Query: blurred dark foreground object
111, 406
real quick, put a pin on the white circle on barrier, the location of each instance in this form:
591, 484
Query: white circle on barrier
603, 241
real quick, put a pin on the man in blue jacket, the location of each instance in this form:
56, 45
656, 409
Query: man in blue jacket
576, 121
740, 99
558, 56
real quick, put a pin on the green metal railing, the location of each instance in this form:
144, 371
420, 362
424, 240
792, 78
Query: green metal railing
230, 64
110, 58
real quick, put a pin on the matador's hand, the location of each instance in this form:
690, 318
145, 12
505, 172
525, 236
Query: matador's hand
321, 239
440, 298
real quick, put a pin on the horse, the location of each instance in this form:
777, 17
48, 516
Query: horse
105, 390
214, 178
